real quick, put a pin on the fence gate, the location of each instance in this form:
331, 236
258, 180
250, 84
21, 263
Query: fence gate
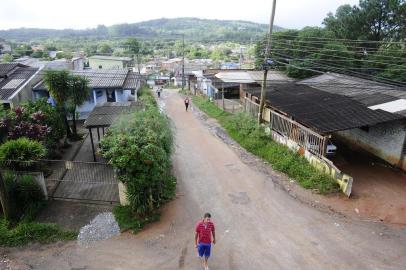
84, 181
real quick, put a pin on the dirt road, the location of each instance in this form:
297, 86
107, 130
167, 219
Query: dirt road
259, 226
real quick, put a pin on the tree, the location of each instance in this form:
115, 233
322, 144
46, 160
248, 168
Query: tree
69, 91
105, 49
23, 50
7, 58
372, 20
58, 84
79, 92
133, 47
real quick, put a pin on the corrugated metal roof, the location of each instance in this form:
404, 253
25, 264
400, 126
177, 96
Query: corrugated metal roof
365, 91
322, 111
244, 76
114, 58
104, 115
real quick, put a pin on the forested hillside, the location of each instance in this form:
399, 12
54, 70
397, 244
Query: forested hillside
193, 28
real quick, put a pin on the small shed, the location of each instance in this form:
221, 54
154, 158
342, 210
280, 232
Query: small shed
103, 116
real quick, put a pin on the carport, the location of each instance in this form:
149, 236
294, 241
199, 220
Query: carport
310, 116
103, 116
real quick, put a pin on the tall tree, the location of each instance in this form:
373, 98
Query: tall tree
133, 47
79, 92
58, 84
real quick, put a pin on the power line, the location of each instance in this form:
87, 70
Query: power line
343, 39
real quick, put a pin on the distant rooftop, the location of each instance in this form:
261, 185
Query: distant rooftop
115, 58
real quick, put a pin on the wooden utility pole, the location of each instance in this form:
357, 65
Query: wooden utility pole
266, 55
4, 198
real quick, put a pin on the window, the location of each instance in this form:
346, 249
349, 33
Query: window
99, 93
365, 128
100, 66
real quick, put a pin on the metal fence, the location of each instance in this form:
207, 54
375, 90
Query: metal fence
251, 108
303, 136
229, 105
72, 180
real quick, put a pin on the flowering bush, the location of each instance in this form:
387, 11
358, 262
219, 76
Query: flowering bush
37, 121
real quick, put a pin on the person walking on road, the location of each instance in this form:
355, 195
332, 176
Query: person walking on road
187, 103
158, 91
203, 239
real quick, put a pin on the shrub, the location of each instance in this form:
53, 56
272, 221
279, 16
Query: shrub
25, 195
22, 149
34, 120
139, 147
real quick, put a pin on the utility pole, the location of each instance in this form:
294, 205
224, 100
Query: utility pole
183, 61
268, 47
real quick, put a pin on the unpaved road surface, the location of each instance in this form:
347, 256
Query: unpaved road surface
259, 226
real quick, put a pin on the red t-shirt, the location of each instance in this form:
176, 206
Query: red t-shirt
205, 231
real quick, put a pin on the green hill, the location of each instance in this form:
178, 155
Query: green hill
192, 28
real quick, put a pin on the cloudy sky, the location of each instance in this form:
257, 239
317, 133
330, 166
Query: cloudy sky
81, 14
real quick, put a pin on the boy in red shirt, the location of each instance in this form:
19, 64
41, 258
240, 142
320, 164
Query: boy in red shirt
204, 231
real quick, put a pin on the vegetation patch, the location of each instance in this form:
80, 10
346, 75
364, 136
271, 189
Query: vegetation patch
26, 232
128, 220
139, 147
245, 130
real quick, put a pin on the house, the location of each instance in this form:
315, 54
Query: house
386, 140
172, 65
234, 82
110, 62
106, 86
16, 82
5, 48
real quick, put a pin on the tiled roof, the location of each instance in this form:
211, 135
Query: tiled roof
105, 78
6, 68
322, 111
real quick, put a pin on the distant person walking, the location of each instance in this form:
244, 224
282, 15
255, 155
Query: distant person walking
204, 231
187, 102
158, 91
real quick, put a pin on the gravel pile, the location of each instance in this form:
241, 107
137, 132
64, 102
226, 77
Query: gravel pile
102, 227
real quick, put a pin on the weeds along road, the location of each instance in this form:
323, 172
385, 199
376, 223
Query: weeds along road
259, 226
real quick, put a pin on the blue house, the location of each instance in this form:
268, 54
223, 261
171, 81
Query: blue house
106, 85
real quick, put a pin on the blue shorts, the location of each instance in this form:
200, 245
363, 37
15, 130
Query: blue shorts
204, 249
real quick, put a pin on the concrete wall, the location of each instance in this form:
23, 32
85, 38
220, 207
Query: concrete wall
322, 164
107, 64
384, 141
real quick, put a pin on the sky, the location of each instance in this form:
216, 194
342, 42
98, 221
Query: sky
81, 14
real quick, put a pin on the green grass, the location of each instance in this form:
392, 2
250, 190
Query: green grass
27, 232
127, 220
244, 130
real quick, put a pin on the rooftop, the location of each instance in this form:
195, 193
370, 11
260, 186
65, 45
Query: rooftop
369, 93
12, 77
251, 76
105, 78
115, 58
322, 111
104, 115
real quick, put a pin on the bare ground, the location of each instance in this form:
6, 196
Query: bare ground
259, 225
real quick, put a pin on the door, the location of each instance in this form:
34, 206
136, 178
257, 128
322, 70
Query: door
111, 96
